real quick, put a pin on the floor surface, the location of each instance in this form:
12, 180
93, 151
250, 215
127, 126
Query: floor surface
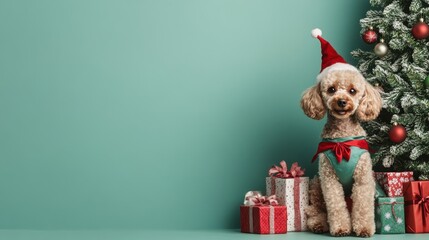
189, 235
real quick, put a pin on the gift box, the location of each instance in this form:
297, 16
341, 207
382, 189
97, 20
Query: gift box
262, 215
416, 198
389, 215
379, 191
291, 189
392, 182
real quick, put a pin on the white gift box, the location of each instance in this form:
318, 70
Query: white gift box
292, 192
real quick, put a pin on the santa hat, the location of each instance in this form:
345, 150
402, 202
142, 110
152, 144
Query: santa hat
331, 60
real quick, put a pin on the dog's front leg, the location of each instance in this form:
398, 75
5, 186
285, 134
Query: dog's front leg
317, 219
333, 193
363, 198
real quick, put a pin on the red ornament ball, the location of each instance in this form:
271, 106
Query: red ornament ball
420, 30
397, 133
369, 36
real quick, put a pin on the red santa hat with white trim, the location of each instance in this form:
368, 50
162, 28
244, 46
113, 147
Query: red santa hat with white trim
331, 60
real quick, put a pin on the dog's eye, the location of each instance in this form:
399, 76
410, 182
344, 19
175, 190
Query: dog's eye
331, 90
352, 91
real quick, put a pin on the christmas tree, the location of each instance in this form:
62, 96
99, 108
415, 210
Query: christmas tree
398, 65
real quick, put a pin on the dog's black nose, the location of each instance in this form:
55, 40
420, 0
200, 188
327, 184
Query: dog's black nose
342, 103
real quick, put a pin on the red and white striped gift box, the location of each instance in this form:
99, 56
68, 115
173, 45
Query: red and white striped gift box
263, 219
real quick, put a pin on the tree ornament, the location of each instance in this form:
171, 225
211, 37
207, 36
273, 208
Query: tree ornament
397, 133
369, 36
378, 87
381, 48
420, 30
388, 161
427, 82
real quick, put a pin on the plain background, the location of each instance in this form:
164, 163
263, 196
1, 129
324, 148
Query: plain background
155, 114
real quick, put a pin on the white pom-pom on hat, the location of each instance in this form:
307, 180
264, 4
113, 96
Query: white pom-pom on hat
316, 32
331, 60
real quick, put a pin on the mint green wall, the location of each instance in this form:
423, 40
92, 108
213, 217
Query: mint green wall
154, 114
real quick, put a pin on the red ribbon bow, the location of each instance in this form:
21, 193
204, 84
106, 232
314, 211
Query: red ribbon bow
254, 198
341, 149
282, 172
423, 202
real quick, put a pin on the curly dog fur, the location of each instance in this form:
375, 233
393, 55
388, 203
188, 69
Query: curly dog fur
359, 102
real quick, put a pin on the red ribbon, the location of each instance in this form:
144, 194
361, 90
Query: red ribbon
341, 149
422, 201
296, 202
253, 198
273, 186
282, 172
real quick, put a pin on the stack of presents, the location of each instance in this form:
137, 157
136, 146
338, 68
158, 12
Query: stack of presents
283, 209
401, 204
404, 206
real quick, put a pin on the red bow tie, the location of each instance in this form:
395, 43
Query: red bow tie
341, 149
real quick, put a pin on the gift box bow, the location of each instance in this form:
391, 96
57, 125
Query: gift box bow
282, 172
255, 198
420, 200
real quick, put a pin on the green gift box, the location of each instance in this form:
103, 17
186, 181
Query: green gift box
389, 215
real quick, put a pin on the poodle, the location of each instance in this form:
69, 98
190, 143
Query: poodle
345, 166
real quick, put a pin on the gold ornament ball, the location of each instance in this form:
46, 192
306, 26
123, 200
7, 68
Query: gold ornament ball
381, 49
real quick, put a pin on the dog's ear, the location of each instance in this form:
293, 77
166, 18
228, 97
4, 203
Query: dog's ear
312, 104
370, 105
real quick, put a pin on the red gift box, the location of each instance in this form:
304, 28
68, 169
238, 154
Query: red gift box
263, 219
262, 214
416, 198
392, 182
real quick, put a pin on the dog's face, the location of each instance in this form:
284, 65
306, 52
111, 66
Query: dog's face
342, 93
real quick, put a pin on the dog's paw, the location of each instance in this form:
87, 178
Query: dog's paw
364, 232
318, 223
341, 232
318, 228
341, 229
364, 229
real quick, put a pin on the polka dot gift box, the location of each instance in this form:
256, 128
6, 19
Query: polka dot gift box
389, 215
291, 189
262, 214
392, 182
